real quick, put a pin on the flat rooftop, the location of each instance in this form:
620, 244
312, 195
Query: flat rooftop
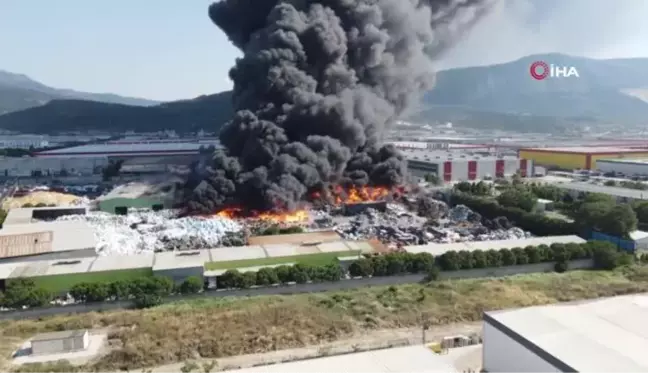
440, 248
625, 160
59, 335
67, 235
24, 215
603, 335
409, 359
603, 189
587, 149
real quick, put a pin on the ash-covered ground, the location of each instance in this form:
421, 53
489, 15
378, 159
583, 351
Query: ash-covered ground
410, 221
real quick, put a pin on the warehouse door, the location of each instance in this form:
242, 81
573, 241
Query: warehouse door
157, 207
121, 210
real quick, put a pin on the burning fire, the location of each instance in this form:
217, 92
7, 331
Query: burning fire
340, 195
297, 216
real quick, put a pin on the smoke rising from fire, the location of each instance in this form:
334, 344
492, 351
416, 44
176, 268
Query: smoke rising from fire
319, 83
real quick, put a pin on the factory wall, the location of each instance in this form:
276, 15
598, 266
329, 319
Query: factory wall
47, 166
467, 169
626, 168
501, 353
178, 275
562, 160
596, 157
109, 205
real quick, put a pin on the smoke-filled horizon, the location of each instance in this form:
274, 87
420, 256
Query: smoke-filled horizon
319, 83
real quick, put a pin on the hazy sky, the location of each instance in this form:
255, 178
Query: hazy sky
169, 49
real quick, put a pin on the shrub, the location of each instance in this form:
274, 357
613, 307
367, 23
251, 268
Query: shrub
449, 261
247, 280
561, 267
521, 256
230, 279
285, 274
605, 257
533, 254
23, 292
480, 260
267, 276
465, 259
361, 268
191, 285
508, 257
433, 274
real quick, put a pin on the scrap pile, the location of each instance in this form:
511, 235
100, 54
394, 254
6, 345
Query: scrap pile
397, 226
145, 230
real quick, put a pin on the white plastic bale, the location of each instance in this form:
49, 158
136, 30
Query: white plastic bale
145, 230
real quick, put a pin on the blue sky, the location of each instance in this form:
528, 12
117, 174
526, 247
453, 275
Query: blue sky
158, 49
169, 49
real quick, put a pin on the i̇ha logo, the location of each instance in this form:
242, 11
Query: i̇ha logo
541, 70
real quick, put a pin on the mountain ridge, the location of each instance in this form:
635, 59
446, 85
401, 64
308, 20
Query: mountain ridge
502, 96
19, 92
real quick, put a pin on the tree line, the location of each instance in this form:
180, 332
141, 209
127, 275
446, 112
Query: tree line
150, 291
517, 202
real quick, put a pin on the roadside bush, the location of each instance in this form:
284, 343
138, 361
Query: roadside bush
285, 274
605, 257
561, 267
361, 268
267, 276
191, 285
23, 292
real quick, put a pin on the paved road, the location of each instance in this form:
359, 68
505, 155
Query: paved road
301, 288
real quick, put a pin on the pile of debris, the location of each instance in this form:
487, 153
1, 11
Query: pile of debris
146, 230
397, 226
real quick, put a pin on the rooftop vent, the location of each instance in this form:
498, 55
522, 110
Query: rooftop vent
67, 263
189, 253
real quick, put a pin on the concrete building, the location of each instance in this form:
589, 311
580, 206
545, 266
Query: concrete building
56, 240
578, 157
409, 359
622, 195
60, 342
27, 215
437, 249
179, 265
628, 167
603, 335
459, 166
62, 166
130, 149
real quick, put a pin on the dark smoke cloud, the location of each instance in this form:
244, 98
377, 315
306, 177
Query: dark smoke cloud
318, 84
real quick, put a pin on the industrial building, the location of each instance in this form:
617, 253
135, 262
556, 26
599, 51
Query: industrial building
62, 166
26, 215
603, 335
628, 167
134, 195
145, 148
578, 157
437, 249
60, 342
46, 241
408, 359
181, 264
623, 195
451, 166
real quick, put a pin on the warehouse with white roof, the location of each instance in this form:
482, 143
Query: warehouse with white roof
603, 335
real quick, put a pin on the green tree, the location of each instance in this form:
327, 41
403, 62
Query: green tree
285, 274
361, 268
449, 261
641, 209
479, 259
119, 289
508, 257
266, 277
192, 285
230, 279
517, 197
21, 292
248, 279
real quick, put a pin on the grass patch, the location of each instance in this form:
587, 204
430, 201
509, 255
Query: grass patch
62, 283
310, 259
220, 327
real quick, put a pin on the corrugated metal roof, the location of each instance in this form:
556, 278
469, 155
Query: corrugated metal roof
67, 235
438, 249
609, 190
603, 335
289, 250
125, 148
393, 360
296, 238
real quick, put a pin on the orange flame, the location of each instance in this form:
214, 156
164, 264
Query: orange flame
297, 216
341, 195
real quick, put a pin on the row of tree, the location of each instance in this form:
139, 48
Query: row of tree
145, 291
537, 224
149, 291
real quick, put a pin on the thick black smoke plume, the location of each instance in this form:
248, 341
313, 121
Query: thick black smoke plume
319, 83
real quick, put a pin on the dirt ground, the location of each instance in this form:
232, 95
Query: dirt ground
370, 340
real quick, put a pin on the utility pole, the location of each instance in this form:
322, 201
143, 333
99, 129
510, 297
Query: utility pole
425, 325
